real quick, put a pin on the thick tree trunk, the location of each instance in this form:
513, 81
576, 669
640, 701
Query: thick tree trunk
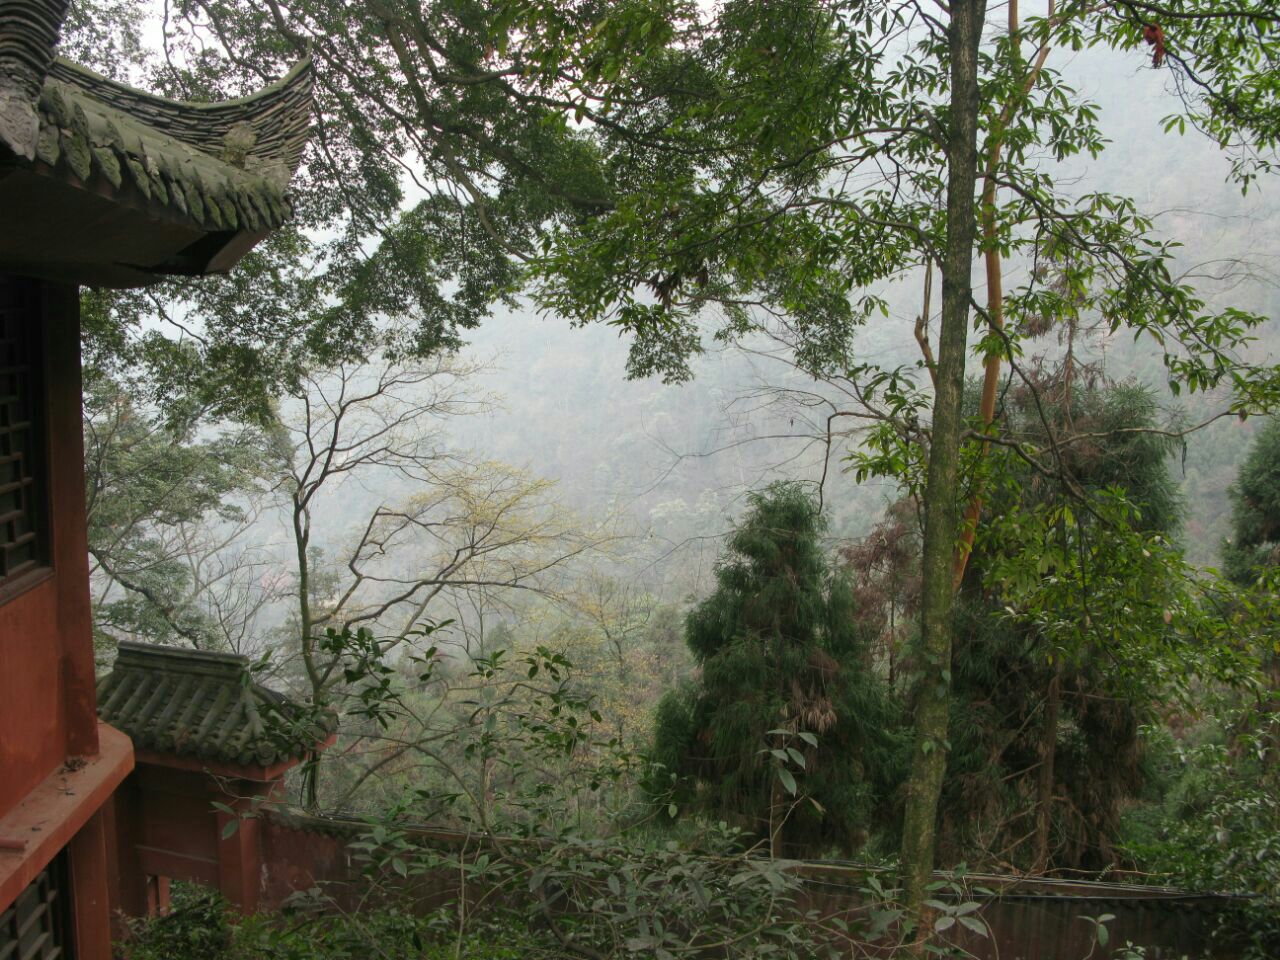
941, 500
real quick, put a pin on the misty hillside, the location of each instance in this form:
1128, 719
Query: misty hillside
659, 452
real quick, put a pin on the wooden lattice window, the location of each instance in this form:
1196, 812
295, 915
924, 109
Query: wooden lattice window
22, 493
35, 926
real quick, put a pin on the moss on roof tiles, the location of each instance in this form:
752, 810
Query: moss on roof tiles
264, 132
86, 134
216, 160
205, 705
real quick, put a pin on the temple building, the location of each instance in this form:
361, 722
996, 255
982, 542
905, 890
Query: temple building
103, 185
211, 747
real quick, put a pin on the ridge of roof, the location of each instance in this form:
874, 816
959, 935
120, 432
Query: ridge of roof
148, 656
28, 34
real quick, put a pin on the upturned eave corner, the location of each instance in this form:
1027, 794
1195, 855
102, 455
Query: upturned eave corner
149, 186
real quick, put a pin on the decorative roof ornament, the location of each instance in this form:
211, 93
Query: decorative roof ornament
28, 33
101, 183
206, 706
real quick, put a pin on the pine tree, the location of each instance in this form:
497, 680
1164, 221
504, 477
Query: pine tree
1254, 547
1045, 748
1255, 510
780, 648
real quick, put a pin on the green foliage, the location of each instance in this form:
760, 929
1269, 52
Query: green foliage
791, 157
421, 185
652, 159
1072, 627
607, 888
156, 490
468, 741
658, 159
528, 759
625, 897
105, 35
1084, 554
1217, 826
387, 932
1078, 596
1254, 544
787, 691
197, 927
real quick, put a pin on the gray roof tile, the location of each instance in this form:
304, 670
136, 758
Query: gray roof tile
223, 166
205, 705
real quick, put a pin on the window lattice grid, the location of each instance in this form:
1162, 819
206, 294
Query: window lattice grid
21, 546
34, 927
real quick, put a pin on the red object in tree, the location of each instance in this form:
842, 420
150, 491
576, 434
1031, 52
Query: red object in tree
1153, 34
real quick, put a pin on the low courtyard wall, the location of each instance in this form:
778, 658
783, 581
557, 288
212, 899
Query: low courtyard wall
1028, 918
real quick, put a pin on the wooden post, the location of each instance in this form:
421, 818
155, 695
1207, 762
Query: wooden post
239, 859
87, 867
69, 542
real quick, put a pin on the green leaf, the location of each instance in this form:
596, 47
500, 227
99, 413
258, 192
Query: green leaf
976, 924
788, 781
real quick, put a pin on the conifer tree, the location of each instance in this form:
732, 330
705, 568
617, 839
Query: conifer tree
1253, 550
788, 731
1045, 741
1255, 510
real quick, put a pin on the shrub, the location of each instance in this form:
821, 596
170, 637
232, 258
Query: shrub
195, 928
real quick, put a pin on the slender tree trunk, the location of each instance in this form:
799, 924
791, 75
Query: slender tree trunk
777, 814
991, 374
995, 278
301, 539
941, 500
1044, 778
893, 639
1269, 702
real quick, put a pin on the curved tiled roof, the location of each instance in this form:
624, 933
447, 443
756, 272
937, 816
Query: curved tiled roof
220, 166
194, 703
264, 132
83, 135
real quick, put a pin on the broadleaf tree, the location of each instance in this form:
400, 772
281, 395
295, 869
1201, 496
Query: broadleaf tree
1254, 544
167, 510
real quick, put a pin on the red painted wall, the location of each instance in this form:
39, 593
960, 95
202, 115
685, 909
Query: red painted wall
47, 708
173, 816
31, 713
